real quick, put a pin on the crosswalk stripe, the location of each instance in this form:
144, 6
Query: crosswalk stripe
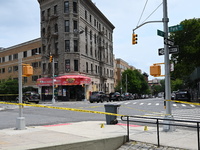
149, 104
141, 103
157, 104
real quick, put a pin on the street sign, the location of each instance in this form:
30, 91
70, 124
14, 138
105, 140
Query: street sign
160, 33
161, 51
176, 28
168, 42
172, 50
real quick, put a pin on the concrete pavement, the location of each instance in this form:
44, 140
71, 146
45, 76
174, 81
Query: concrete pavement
94, 135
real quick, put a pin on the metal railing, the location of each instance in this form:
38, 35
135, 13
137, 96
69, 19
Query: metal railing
159, 121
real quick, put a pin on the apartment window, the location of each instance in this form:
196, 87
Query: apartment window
86, 48
34, 78
48, 12
75, 25
34, 51
90, 35
15, 56
66, 25
44, 67
56, 27
43, 15
10, 57
15, 68
74, 7
55, 9
91, 68
96, 69
95, 22
25, 79
75, 65
67, 65
75, 45
56, 47
25, 54
67, 45
90, 18
3, 70
66, 7
9, 69
0, 60
85, 14
91, 51
87, 67
35, 64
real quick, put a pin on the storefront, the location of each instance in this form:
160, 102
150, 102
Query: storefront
66, 88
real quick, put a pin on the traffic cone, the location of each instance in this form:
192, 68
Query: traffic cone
145, 128
102, 125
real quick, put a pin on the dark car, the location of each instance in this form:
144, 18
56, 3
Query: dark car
183, 96
98, 96
30, 96
115, 96
127, 96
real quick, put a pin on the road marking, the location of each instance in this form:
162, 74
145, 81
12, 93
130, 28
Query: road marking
192, 106
141, 103
134, 103
157, 104
183, 105
126, 103
149, 104
174, 105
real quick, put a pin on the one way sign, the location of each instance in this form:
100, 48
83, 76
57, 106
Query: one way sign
172, 50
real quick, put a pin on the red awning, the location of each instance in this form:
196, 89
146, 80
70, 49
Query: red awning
64, 80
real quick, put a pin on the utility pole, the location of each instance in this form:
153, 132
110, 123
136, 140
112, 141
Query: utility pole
168, 114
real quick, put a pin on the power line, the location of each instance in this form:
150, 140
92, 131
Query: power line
142, 12
152, 13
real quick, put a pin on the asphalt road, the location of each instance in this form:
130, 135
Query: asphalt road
46, 116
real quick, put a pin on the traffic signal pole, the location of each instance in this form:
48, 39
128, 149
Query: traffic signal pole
53, 74
165, 21
20, 121
168, 114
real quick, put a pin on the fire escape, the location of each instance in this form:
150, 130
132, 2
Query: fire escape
102, 61
49, 41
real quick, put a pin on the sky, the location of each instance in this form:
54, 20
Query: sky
20, 22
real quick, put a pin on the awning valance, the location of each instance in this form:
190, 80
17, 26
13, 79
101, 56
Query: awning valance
65, 80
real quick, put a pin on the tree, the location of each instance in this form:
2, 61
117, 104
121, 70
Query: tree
9, 89
188, 41
136, 82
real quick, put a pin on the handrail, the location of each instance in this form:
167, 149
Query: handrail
151, 120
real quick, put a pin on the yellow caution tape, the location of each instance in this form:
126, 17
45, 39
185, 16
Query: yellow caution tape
62, 108
198, 104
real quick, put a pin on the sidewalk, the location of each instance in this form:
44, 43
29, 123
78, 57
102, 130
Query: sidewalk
94, 135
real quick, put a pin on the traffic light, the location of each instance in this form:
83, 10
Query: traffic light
134, 39
27, 70
50, 58
155, 70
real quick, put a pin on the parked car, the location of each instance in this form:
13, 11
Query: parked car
30, 96
115, 96
127, 96
183, 95
98, 96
